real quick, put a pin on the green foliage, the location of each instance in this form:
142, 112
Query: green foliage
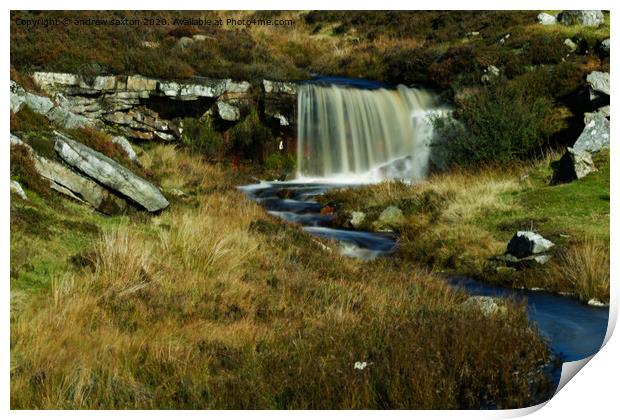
280, 162
498, 124
249, 136
200, 136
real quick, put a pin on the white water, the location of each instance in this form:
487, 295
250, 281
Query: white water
357, 135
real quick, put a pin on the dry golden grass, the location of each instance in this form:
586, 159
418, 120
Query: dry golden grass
585, 266
212, 304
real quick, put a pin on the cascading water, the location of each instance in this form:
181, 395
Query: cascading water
350, 135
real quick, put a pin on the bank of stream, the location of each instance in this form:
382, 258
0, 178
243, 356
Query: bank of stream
572, 329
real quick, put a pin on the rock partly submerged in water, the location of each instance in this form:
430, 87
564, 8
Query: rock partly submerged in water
109, 173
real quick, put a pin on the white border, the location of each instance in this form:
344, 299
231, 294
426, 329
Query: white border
592, 394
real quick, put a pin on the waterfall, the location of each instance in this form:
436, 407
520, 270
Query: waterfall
348, 134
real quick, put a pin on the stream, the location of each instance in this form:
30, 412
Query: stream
574, 330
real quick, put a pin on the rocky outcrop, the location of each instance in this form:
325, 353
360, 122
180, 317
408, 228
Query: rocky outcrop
546, 19
581, 17
109, 173
76, 186
126, 146
280, 102
595, 135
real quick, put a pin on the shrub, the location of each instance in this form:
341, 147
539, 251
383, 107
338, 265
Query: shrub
279, 162
200, 136
249, 137
497, 124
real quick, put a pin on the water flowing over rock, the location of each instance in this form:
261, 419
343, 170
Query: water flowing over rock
109, 173
348, 132
581, 17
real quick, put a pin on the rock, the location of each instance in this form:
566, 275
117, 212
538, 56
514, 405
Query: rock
50, 81
149, 44
514, 262
390, 217
118, 118
139, 135
109, 83
599, 82
279, 87
126, 146
67, 119
526, 243
207, 88
595, 135
357, 218
141, 84
199, 38
176, 192
490, 73
581, 17
546, 19
605, 46
282, 120
164, 136
184, 42
74, 185
596, 302
227, 112
109, 173
19, 98
572, 47
17, 189
574, 164
485, 304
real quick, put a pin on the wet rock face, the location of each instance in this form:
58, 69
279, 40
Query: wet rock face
109, 173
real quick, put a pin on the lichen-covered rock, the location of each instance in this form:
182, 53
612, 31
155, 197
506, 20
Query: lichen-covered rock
126, 146
109, 173
67, 119
279, 87
581, 17
227, 112
599, 82
595, 135
389, 218
357, 218
485, 304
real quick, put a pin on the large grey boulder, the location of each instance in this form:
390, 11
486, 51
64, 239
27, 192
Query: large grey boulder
581, 17
109, 173
68, 182
546, 19
574, 164
599, 82
19, 98
602, 111
525, 243
595, 135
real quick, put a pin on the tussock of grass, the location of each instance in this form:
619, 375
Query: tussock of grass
200, 308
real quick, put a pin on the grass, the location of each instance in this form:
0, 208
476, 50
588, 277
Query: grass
459, 220
213, 304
